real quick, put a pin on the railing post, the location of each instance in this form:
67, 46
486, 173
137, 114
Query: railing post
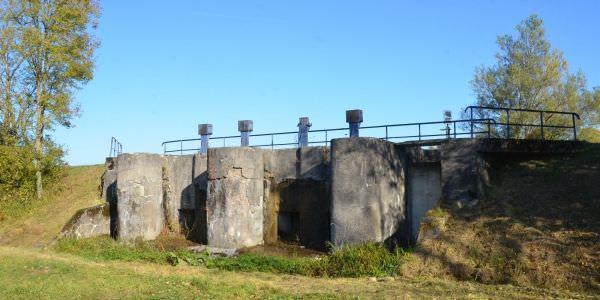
574, 128
245, 127
471, 109
507, 124
489, 128
180, 147
419, 131
205, 131
447, 120
454, 129
326, 140
542, 124
386, 133
354, 118
303, 128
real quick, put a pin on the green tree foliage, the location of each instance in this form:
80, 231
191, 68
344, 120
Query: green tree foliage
46, 54
530, 74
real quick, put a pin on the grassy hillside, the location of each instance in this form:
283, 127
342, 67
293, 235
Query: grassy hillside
38, 223
539, 225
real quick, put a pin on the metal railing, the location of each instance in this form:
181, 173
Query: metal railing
542, 124
422, 131
115, 148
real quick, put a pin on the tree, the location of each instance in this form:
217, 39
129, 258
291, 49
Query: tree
530, 74
13, 109
57, 51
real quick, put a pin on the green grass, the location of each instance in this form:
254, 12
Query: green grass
106, 249
39, 277
29, 274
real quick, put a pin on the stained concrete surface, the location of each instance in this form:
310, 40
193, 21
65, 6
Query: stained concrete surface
179, 194
297, 198
424, 192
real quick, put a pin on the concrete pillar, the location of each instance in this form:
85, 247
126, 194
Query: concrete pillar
140, 196
367, 192
303, 127
205, 131
245, 127
354, 118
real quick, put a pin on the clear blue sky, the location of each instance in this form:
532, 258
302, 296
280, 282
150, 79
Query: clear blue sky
165, 66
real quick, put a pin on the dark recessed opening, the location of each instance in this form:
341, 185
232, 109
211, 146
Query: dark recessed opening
297, 211
288, 226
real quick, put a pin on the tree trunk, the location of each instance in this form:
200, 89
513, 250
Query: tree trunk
38, 144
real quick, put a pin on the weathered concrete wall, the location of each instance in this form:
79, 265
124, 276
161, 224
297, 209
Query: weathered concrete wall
235, 197
179, 194
139, 192
88, 222
200, 182
460, 171
424, 192
296, 187
367, 190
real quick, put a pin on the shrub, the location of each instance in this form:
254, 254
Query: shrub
17, 176
368, 259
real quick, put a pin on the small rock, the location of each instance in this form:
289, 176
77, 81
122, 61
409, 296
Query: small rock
228, 252
372, 279
387, 278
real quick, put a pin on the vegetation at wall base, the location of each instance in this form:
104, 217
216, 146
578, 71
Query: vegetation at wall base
368, 259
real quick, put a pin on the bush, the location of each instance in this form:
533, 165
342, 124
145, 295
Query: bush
17, 176
368, 259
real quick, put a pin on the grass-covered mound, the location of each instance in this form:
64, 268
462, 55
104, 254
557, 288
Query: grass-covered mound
34, 222
538, 225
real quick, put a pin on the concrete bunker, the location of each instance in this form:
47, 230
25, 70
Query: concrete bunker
359, 190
